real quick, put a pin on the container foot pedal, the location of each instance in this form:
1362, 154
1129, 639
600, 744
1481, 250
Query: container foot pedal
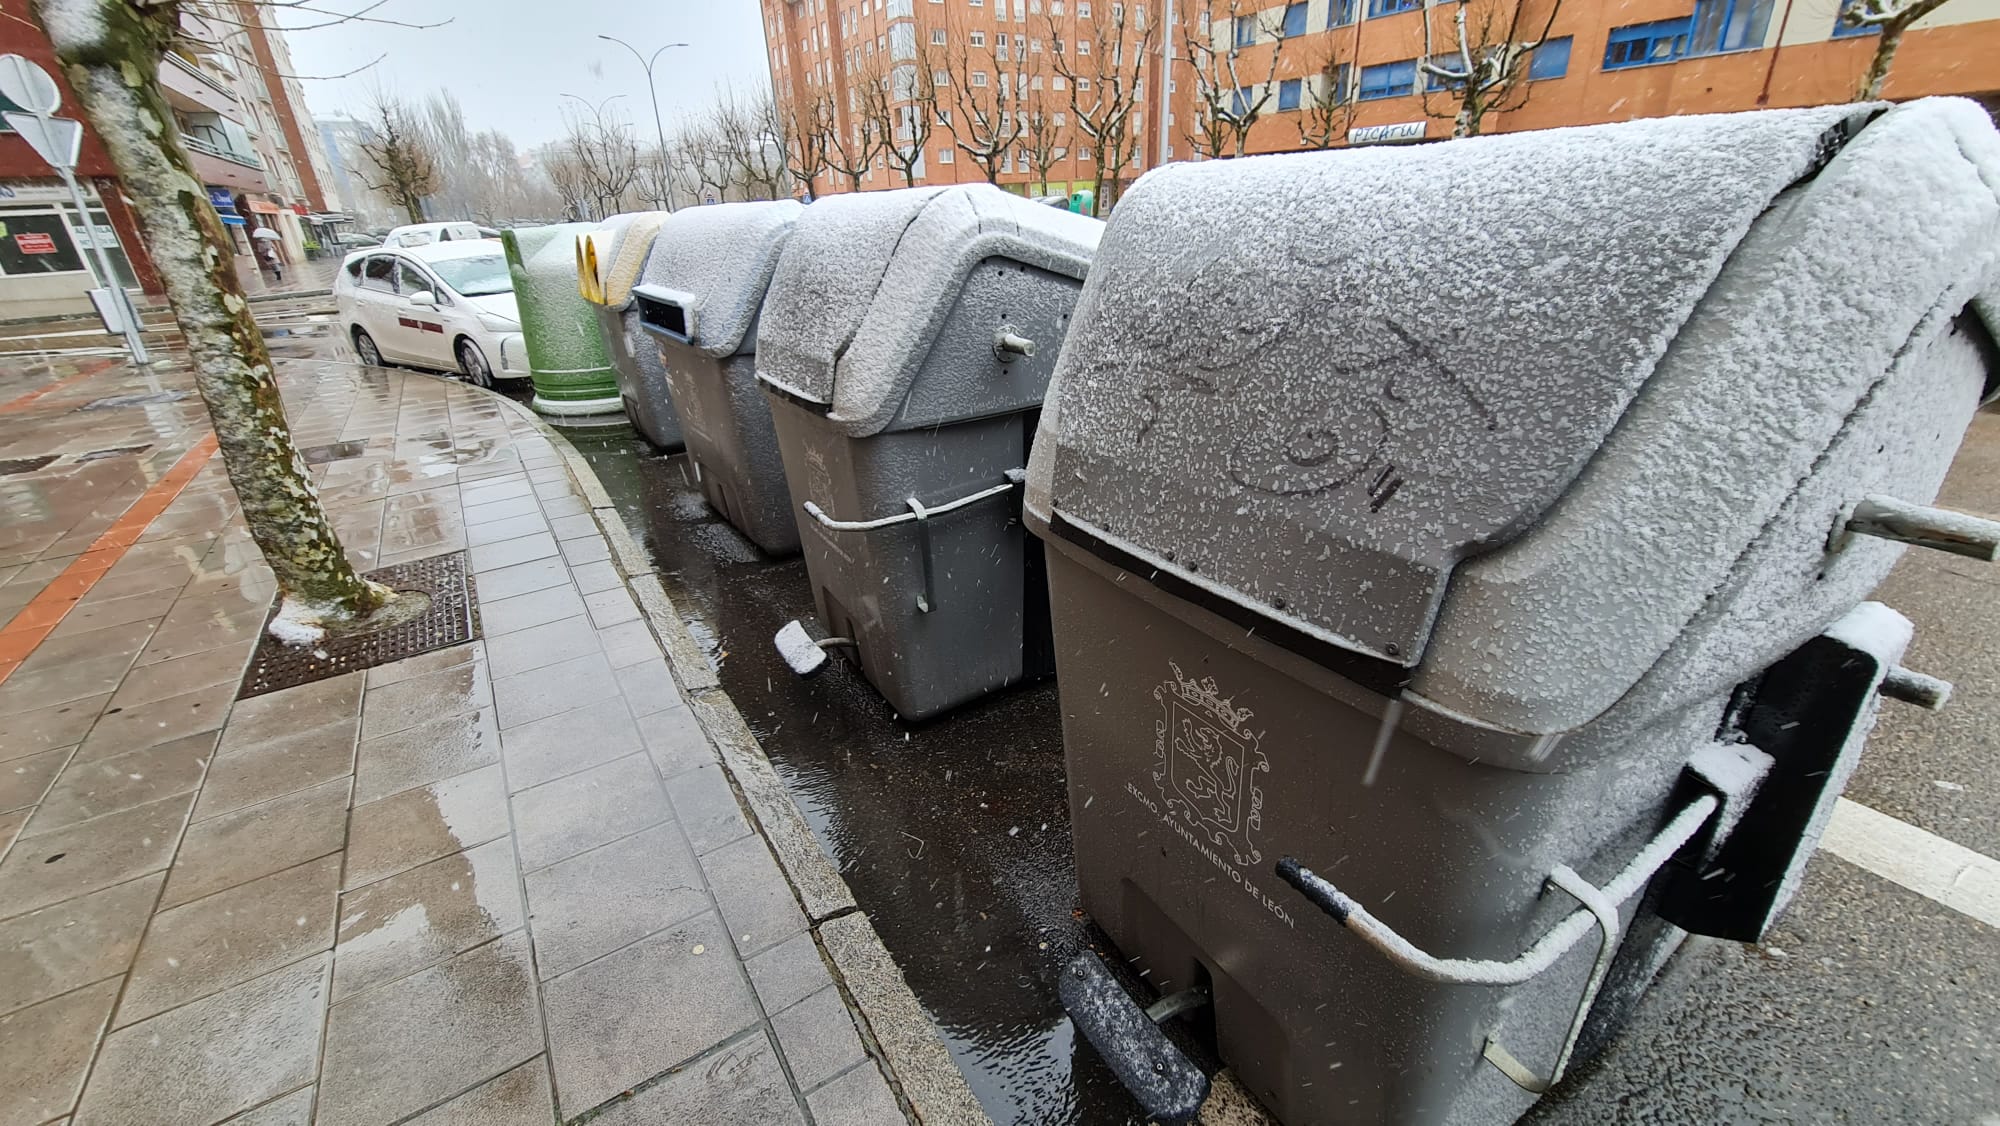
1168, 1085
801, 652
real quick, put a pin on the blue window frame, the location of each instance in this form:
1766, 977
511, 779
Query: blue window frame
1388, 80
1239, 102
1842, 31
1550, 60
1288, 94
1246, 30
1343, 82
1339, 13
1661, 41
1450, 62
1295, 19
1378, 8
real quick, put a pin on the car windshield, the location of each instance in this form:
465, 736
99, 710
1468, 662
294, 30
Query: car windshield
476, 277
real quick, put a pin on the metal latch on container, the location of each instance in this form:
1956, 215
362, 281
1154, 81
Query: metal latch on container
1599, 909
920, 514
1009, 345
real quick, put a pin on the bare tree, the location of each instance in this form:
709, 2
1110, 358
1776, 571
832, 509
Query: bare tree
1329, 104
853, 150
111, 51
603, 159
655, 180
1046, 140
401, 162
1104, 89
986, 103
1893, 18
1485, 68
913, 94
806, 127
746, 139
1230, 97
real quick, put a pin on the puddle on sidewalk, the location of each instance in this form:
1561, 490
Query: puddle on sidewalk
953, 834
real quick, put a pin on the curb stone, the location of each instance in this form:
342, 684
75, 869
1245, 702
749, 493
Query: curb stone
918, 1065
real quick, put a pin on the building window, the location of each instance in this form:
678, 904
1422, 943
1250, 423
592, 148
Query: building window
1035, 45
1056, 8
1083, 153
1082, 83
1288, 94
1550, 60
1388, 80
1379, 8
979, 39
1343, 83
1637, 44
1295, 19
1083, 46
1728, 25
979, 78
1000, 47
937, 37
1058, 83
1239, 102
945, 156
1842, 30
1452, 63
1083, 9
1246, 30
1339, 13
940, 78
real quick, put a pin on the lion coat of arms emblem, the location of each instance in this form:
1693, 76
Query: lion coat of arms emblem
1206, 762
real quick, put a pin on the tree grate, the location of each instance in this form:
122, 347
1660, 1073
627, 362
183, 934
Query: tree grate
11, 466
453, 619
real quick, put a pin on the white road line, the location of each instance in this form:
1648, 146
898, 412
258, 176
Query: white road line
1950, 874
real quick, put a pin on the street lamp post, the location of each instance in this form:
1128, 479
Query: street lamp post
659, 129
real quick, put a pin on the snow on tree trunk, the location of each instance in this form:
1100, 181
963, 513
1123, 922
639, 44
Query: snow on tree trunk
110, 51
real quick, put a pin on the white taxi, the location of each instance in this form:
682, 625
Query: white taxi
448, 306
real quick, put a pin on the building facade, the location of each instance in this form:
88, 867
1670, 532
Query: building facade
246, 129
1016, 90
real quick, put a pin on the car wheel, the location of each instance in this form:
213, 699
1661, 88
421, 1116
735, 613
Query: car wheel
364, 347
473, 364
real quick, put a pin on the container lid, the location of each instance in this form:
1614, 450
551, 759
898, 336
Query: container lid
1385, 361
868, 278
721, 256
631, 240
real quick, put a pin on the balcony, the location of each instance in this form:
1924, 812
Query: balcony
192, 90
217, 165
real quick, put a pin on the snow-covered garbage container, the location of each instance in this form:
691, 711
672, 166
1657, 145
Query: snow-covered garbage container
698, 303
1457, 563
609, 261
567, 359
906, 344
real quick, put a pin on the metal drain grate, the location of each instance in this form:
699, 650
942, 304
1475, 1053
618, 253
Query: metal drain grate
453, 619
141, 399
115, 451
338, 451
11, 466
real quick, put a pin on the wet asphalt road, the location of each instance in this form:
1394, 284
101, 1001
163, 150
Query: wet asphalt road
1867, 1004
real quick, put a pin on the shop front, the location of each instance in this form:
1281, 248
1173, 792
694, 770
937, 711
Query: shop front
45, 269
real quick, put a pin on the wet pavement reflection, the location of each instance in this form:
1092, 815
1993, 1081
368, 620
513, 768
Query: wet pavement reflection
954, 835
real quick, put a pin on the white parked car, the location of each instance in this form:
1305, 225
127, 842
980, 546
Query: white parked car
424, 234
448, 306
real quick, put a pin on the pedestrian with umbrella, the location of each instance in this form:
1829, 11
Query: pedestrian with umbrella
268, 259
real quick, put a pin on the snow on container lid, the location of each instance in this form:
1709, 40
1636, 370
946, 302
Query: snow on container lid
1386, 359
1840, 353
720, 257
869, 278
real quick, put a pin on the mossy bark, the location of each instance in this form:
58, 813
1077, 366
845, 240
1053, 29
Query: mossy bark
110, 52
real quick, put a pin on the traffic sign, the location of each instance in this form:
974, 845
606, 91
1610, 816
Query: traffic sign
28, 86
57, 140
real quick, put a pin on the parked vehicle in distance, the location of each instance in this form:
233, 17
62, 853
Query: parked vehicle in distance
347, 241
447, 306
424, 234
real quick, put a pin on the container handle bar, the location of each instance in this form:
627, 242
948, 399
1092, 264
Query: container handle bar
918, 511
1599, 910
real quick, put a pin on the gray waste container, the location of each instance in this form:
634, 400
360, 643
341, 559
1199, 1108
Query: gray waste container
699, 300
1499, 557
906, 343
618, 252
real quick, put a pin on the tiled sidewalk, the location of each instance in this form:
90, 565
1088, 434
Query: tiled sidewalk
503, 883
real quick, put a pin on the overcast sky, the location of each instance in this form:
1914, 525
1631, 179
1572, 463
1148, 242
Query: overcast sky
511, 61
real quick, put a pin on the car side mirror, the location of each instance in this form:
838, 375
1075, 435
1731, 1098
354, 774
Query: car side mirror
424, 297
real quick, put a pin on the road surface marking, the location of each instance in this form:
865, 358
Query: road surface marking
1950, 874
46, 610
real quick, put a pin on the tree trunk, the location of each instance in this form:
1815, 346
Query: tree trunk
110, 51
415, 207
1885, 56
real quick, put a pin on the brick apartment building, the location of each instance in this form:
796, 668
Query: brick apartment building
245, 126
1320, 73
